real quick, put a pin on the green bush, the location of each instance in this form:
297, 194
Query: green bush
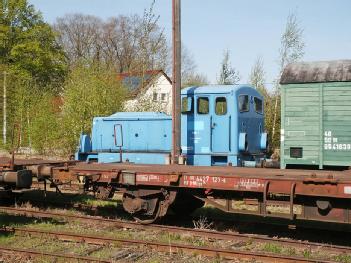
89, 91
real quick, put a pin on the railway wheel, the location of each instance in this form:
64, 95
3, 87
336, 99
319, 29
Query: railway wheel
185, 204
144, 210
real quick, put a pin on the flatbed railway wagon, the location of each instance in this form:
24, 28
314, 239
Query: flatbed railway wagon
149, 191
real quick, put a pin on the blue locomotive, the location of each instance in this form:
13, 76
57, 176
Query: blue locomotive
221, 125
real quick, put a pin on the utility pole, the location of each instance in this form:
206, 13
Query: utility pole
4, 128
176, 83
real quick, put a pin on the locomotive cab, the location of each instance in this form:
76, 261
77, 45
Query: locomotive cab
222, 125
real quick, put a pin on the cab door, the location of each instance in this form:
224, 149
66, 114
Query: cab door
202, 125
220, 125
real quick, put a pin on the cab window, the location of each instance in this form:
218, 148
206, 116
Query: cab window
203, 105
258, 105
221, 106
187, 105
243, 102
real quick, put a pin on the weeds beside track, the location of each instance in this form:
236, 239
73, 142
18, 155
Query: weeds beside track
167, 247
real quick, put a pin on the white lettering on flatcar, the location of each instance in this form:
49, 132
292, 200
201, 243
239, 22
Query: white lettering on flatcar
250, 184
202, 181
347, 190
148, 178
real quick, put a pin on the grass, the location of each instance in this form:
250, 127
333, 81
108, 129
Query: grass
343, 258
307, 253
272, 248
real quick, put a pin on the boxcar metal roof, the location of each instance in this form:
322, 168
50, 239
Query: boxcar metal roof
317, 72
213, 89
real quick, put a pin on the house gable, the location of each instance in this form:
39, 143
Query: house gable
154, 95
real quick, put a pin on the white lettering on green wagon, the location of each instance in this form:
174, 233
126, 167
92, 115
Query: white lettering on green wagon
332, 143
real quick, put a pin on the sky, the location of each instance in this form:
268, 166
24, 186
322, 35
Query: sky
248, 29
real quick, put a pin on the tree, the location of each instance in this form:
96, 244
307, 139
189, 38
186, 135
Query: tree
228, 74
257, 79
292, 44
44, 126
29, 57
196, 79
291, 50
257, 75
89, 91
152, 43
80, 35
189, 75
28, 45
187, 63
125, 43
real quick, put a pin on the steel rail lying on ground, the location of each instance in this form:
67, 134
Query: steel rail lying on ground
169, 247
210, 234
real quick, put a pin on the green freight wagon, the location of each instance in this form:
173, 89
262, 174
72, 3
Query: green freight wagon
316, 114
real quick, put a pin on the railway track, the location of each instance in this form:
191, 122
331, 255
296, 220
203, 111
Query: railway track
31, 252
208, 234
158, 246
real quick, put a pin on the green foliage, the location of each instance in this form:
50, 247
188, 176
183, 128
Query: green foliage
35, 66
270, 102
28, 45
35, 114
272, 248
50, 124
44, 128
89, 91
344, 258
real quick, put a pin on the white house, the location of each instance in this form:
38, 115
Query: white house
150, 91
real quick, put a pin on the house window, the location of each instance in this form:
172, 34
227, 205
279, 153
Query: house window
258, 105
154, 96
163, 96
243, 103
202, 105
221, 106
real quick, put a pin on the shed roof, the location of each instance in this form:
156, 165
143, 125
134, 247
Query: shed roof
317, 72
